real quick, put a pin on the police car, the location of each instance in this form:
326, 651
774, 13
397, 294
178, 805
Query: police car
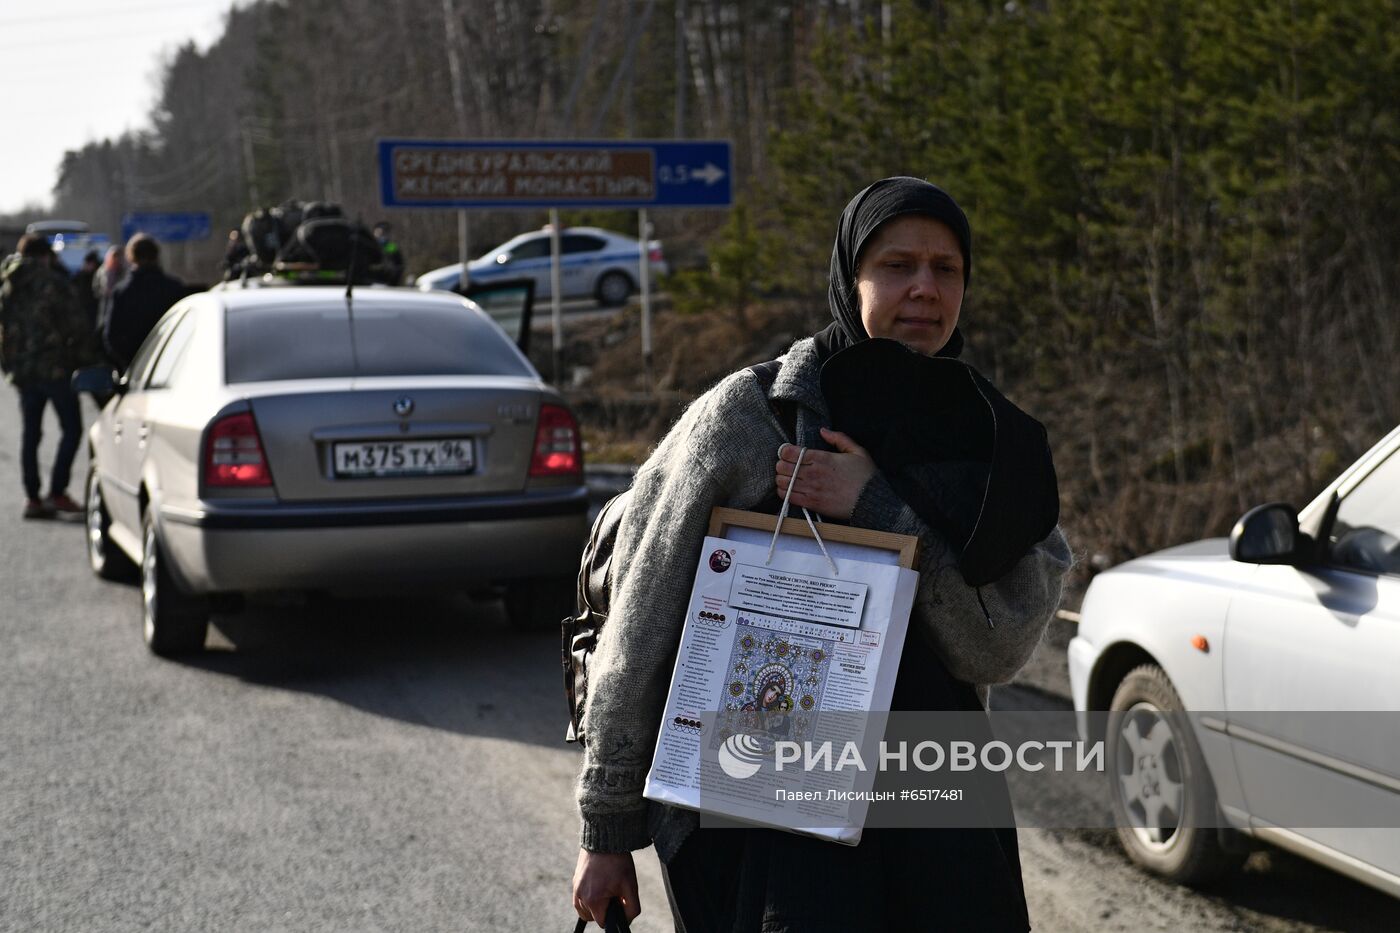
593, 263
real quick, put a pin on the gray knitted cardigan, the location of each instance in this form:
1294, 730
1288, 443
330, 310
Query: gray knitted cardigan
722, 452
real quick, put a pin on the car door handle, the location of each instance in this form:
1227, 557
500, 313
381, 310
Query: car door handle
142, 433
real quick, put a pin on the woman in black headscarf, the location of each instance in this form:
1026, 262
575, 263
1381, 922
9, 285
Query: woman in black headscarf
901, 436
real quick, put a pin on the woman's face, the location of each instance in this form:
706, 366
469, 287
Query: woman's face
910, 282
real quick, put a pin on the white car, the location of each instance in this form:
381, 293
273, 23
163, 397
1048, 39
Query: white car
593, 263
71, 241
1264, 638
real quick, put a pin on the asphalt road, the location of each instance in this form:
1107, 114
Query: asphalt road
380, 765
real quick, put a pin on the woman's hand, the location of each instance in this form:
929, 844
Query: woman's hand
601, 876
829, 482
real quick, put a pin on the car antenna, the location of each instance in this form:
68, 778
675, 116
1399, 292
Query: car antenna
354, 252
350, 294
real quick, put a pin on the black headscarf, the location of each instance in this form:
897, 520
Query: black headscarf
968, 461
886, 199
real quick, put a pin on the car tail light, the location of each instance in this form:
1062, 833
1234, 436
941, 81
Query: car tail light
558, 447
233, 453
654, 254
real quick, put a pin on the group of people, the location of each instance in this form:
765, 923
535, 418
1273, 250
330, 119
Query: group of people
52, 324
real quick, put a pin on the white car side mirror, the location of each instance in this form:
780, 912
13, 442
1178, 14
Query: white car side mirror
1267, 534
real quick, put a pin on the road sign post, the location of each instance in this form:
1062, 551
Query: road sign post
556, 301
644, 278
463, 249
533, 174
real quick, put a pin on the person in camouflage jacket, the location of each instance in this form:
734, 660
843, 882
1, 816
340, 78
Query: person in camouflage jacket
43, 339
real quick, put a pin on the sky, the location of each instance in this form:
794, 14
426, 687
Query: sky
76, 71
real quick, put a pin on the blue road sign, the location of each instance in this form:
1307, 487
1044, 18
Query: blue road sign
562, 173
167, 227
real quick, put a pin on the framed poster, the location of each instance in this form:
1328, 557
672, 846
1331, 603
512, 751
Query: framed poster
786, 641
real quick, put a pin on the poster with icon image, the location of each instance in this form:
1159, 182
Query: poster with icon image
789, 647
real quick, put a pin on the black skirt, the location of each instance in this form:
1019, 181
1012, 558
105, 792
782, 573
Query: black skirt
766, 881
897, 880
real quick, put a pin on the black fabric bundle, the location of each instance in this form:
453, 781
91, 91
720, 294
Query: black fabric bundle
967, 460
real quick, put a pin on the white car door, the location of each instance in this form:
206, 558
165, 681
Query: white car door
531, 259
1304, 645
579, 267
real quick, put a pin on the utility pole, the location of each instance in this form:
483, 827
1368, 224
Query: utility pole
249, 166
451, 35
681, 70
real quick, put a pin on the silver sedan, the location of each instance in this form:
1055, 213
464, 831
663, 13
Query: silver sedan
277, 439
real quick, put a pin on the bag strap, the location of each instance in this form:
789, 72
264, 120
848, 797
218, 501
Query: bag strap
614, 922
783, 513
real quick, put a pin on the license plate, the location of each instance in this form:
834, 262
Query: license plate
404, 458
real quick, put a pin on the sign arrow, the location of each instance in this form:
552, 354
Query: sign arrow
711, 173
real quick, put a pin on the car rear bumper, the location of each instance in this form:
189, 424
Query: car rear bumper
381, 545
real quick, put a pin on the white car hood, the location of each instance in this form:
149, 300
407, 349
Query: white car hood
1207, 558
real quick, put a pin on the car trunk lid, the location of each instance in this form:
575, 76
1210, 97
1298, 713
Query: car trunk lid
375, 438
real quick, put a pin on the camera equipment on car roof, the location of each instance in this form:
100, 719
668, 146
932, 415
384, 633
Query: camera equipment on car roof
310, 242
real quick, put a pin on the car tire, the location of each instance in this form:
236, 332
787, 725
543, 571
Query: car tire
541, 603
105, 558
1163, 797
614, 288
174, 622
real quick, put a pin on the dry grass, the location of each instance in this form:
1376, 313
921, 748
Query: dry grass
1125, 487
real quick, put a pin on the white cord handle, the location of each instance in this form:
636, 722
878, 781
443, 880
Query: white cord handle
782, 516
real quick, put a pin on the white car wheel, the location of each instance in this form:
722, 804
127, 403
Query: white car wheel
1163, 797
105, 558
1150, 775
173, 621
613, 289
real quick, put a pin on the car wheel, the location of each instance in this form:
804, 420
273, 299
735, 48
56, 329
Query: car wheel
540, 603
174, 622
613, 289
106, 559
1163, 797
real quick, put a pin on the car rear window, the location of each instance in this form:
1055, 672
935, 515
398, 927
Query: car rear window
276, 342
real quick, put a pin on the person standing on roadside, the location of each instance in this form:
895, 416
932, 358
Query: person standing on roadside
42, 335
235, 254
104, 284
894, 433
84, 286
393, 256
139, 302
